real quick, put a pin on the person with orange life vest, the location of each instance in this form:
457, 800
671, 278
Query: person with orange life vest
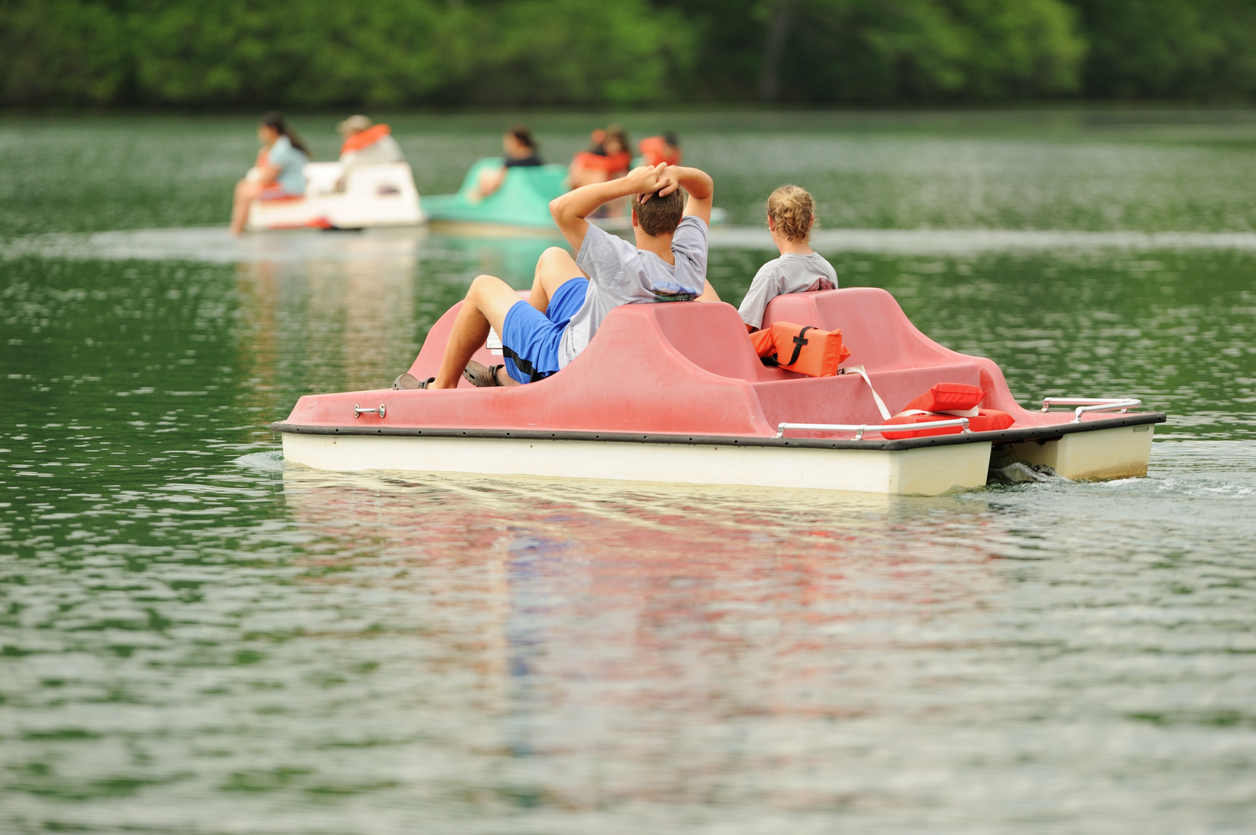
366, 143
606, 159
665, 148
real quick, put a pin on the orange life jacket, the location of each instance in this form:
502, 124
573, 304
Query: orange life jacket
801, 348
947, 397
610, 164
947, 401
654, 150
986, 420
367, 137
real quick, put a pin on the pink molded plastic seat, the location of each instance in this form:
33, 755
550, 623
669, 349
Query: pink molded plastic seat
688, 368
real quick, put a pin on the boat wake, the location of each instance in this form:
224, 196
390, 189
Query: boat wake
214, 245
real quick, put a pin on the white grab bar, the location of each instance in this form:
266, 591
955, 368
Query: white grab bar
860, 428
1091, 404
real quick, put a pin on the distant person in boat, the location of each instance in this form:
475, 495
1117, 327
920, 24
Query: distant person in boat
278, 173
791, 217
665, 148
571, 297
521, 152
366, 143
606, 158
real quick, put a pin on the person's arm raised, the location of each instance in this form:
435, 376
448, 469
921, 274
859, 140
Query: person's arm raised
571, 209
699, 185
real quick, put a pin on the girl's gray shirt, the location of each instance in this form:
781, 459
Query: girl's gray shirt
619, 273
791, 273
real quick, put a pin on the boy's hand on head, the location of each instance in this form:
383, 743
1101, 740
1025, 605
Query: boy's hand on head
669, 181
648, 179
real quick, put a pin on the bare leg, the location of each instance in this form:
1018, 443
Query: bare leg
554, 268
245, 192
487, 303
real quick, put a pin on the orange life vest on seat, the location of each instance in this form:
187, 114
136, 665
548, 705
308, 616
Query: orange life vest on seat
986, 420
947, 401
801, 348
947, 397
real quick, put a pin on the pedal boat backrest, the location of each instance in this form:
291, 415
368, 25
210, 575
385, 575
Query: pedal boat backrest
688, 368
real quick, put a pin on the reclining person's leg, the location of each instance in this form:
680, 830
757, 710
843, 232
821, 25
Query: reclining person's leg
554, 268
488, 301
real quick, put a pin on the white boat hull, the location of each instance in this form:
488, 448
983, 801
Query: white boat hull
1121, 452
345, 197
920, 471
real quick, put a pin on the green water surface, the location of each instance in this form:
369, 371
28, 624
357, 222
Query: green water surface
195, 638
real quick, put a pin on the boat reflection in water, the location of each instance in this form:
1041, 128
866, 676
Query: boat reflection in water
662, 643
355, 320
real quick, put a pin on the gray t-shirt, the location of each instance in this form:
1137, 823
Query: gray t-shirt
619, 273
791, 273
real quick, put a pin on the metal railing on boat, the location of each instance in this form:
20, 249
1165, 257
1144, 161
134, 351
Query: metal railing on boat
1091, 404
860, 428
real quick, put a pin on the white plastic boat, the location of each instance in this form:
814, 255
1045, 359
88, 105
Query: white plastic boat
344, 197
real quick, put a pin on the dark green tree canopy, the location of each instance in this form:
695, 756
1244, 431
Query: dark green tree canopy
331, 53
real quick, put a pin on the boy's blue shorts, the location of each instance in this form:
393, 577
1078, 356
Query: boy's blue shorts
530, 338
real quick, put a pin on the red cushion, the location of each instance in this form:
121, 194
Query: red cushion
947, 397
990, 420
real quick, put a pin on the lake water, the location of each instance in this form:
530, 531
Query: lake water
196, 639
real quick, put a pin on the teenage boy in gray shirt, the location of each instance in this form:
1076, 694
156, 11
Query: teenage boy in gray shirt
570, 298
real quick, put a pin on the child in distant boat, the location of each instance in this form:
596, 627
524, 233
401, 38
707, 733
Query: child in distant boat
791, 216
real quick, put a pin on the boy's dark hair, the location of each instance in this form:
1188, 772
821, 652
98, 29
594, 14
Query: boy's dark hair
660, 215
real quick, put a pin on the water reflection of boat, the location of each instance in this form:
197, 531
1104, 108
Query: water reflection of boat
513, 602
675, 392
519, 206
341, 196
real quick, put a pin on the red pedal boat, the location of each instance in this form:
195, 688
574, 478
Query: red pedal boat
675, 393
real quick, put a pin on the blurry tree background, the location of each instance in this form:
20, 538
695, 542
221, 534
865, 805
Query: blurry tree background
215, 54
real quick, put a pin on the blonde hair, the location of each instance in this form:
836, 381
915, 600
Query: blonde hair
793, 212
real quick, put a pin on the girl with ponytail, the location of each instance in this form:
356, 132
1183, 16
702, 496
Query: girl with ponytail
279, 172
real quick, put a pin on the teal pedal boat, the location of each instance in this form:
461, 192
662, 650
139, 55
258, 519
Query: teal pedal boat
519, 206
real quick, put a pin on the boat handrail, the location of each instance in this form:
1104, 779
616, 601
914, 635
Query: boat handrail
1091, 404
860, 428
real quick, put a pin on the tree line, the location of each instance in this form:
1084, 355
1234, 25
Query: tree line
381, 53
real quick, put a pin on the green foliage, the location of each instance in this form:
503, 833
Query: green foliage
63, 51
921, 50
1202, 49
210, 52
332, 53
575, 51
